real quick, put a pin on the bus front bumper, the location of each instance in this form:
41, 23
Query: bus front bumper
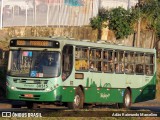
40, 96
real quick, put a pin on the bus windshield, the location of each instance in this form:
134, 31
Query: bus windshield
34, 63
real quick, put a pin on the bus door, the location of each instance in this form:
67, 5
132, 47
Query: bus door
67, 62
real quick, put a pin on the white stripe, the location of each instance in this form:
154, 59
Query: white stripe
59, 13
78, 16
26, 22
84, 14
1, 15
48, 6
35, 15
62, 13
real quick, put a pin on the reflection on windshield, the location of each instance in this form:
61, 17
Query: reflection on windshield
34, 63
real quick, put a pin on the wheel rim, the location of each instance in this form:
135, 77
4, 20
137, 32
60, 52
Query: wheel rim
127, 100
77, 100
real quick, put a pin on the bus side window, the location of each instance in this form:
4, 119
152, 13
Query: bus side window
81, 58
129, 62
67, 61
119, 61
107, 61
95, 60
139, 61
149, 64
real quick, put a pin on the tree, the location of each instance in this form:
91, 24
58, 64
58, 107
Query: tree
97, 22
120, 22
151, 14
124, 22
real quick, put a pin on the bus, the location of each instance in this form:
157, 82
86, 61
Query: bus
65, 71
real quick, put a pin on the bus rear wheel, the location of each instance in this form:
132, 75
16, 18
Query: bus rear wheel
78, 100
126, 100
31, 105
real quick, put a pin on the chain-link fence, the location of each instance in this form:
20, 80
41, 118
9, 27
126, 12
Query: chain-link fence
47, 12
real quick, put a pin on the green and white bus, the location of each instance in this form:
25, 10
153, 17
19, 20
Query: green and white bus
63, 70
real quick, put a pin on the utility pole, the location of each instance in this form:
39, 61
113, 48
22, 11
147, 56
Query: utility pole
139, 26
129, 4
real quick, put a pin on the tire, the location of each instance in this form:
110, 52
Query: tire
31, 105
78, 100
126, 100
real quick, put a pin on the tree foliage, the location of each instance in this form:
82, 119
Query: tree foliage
151, 12
122, 21
97, 22
119, 20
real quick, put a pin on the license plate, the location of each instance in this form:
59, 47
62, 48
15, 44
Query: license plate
28, 95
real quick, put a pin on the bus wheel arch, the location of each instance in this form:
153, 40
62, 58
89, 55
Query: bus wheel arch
82, 88
78, 99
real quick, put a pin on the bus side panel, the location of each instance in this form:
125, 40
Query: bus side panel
101, 88
147, 92
103, 95
91, 95
68, 93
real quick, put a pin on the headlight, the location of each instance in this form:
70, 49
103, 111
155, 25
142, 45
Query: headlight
48, 89
12, 87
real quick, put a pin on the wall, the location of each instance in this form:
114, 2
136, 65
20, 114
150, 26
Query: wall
74, 32
147, 38
116, 3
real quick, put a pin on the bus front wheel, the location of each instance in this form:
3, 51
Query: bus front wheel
126, 100
78, 100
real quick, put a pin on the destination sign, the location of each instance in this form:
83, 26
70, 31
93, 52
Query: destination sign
34, 43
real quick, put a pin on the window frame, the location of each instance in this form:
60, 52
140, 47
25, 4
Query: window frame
134, 58
64, 76
129, 61
82, 58
109, 61
149, 64
139, 64
93, 60
118, 62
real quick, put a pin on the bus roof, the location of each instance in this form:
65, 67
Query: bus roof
87, 43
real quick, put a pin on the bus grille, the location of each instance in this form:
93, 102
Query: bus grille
30, 81
29, 88
35, 97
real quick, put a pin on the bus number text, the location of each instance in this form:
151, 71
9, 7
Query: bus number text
42, 85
